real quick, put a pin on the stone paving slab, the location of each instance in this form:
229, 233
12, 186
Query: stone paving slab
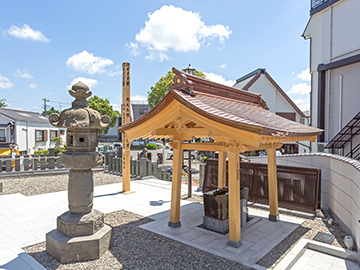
257, 240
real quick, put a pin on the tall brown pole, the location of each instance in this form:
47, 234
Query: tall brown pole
125, 115
189, 177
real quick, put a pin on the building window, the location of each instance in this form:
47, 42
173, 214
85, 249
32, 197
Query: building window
2, 135
143, 111
41, 135
53, 134
62, 132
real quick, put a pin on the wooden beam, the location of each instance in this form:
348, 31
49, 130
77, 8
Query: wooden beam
193, 132
272, 183
176, 185
234, 198
212, 146
222, 170
263, 146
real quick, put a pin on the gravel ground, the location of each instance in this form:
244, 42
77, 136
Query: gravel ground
136, 248
34, 185
169, 251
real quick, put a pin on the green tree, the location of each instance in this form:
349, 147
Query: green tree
52, 110
2, 103
160, 89
103, 107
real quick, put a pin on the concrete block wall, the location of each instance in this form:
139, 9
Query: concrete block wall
340, 185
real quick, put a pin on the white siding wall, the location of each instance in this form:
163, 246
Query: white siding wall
335, 35
25, 132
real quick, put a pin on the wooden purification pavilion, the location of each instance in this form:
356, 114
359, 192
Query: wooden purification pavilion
236, 120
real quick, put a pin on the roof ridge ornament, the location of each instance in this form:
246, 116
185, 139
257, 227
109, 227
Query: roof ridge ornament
182, 83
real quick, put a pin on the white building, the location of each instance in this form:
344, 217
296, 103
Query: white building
334, 34
260, 81
30, 131
137, 110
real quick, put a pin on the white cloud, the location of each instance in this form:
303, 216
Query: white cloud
89, 82
5, 83
302, 103
222, 66
87, 62
174, 28
300, 88
156, 55
24, 75
305, 75
35, 108
219, 79
116, 107
134, 47
33, 85
25, 32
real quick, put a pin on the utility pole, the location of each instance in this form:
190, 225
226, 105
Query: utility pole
45, 100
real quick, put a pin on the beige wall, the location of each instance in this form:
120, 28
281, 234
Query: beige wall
340, 185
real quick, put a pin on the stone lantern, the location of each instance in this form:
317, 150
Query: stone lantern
81, 233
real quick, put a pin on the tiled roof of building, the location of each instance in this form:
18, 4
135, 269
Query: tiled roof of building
249, 79
23, 116
227, 105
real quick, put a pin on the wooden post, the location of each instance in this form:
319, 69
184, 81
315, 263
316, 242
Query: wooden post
176, 185
125, 116
273, 187
189, 177
234, 197
222, 170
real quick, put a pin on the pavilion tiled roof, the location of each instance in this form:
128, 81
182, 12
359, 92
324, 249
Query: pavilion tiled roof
227, 105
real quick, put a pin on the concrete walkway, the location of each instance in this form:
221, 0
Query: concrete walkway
25, 220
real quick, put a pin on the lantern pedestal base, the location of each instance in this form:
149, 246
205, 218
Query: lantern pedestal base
79, 248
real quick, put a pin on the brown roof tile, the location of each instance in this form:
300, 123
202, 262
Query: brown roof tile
237, 108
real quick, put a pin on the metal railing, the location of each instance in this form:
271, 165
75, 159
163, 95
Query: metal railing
354, 153
317, 3
298, 188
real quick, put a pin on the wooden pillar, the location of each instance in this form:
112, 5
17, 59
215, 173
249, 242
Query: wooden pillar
176, 185
222, 170
273, 186
234, 197
126, 164
125, 118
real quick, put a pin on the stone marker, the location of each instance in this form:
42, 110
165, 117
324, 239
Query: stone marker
8, 163
34, 161
17, 163
81, 234
51, 158
26, 162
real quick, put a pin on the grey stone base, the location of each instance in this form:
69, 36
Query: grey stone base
234, 244
174, 225
72, 225
216, 225
81, 248
274, 217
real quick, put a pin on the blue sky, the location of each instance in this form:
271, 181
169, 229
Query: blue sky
45, 46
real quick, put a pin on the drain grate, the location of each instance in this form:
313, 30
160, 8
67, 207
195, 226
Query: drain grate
327, 238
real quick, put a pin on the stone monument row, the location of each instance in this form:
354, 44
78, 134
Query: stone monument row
81, 233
